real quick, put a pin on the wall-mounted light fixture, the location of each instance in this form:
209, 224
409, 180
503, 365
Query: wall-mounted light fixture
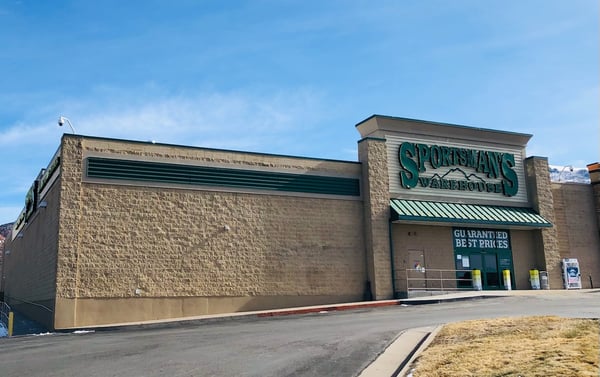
7, 252
43, 204
62, 120
20, 235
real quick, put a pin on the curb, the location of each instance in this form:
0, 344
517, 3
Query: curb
371, 304
397, 358
406, 366
329, 308
427, 301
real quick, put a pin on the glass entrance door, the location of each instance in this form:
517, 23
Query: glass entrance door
487, 263
490, 271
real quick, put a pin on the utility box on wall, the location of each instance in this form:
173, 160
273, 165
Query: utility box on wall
571, 273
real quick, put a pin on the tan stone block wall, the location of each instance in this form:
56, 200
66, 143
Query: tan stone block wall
373, 155
177, 243
69, 216
576, 222
30, 268
540, 194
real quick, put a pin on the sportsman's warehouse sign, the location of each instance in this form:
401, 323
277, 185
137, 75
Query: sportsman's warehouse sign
450, 168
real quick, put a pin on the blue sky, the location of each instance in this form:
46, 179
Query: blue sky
291, 77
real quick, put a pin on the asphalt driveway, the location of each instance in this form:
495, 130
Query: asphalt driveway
319, 344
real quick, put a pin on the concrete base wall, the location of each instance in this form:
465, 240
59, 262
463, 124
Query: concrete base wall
85, 312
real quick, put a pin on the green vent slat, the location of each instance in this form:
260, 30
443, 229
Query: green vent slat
143, 171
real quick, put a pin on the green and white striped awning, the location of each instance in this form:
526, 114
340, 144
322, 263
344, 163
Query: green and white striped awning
455, 213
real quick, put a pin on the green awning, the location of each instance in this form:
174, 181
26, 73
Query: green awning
455, 213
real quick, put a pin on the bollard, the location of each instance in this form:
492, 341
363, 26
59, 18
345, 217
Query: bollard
477, 280
506, 278
534, 279
544, 280
11, 320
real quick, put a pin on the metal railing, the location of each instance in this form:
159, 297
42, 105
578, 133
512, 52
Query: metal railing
427, 280
44, 307
4, 310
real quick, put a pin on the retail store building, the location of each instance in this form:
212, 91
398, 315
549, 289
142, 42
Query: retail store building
119, 231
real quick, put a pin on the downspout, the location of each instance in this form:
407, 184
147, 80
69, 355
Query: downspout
392, 258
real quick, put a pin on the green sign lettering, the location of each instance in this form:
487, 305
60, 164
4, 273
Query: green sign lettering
417, 158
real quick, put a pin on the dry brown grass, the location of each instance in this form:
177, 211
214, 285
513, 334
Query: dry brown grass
526, 346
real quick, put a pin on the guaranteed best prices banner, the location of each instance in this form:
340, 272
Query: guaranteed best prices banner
480, 239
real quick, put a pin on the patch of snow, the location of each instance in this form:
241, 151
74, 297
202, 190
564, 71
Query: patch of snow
83, 331
42, 334
568, 174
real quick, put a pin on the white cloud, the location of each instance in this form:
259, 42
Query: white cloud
220, 118
178, 119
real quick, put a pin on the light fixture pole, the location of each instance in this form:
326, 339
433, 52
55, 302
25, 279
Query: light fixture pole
563, 169
62, 120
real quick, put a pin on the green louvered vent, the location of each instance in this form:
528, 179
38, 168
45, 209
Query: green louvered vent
144, 171
457, 213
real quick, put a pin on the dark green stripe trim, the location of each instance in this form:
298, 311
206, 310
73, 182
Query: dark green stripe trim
144, 171
371, 138
472, 221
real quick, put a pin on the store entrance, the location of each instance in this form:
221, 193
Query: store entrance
485, 250
487, 263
